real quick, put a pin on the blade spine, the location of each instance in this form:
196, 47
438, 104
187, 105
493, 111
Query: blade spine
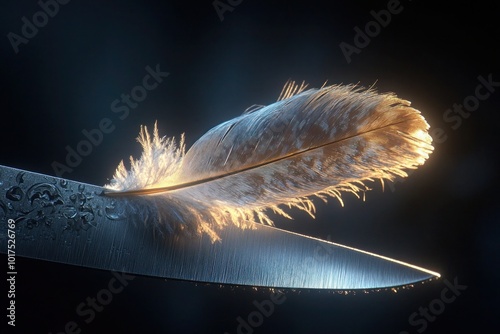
52, 176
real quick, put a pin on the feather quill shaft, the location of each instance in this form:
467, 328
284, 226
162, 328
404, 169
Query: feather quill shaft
315, 142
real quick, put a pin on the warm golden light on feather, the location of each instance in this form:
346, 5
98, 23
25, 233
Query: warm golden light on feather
316, 142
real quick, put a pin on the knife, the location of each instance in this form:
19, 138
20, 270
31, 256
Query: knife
60, 220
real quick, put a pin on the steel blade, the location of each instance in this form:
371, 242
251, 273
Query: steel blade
73, 223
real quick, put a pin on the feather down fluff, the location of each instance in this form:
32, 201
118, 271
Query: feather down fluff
315, 142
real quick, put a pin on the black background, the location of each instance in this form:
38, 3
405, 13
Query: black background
445, 217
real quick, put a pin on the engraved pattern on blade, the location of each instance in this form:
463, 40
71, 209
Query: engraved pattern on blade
50, 205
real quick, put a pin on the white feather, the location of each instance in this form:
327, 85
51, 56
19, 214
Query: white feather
318, 142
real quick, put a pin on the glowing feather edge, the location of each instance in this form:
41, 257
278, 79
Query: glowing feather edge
315, 142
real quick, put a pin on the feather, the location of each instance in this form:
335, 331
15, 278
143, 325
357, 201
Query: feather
315, 142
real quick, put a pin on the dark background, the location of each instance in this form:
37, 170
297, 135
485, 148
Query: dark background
445, 217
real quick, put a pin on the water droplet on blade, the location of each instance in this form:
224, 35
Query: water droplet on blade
113, 213
69, 212
20, 177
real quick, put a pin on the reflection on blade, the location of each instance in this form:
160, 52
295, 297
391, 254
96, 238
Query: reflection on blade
71, 222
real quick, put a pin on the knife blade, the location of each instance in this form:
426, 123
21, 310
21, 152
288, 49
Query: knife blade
74, 223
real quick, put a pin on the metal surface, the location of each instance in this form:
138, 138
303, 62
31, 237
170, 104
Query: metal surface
73, 223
